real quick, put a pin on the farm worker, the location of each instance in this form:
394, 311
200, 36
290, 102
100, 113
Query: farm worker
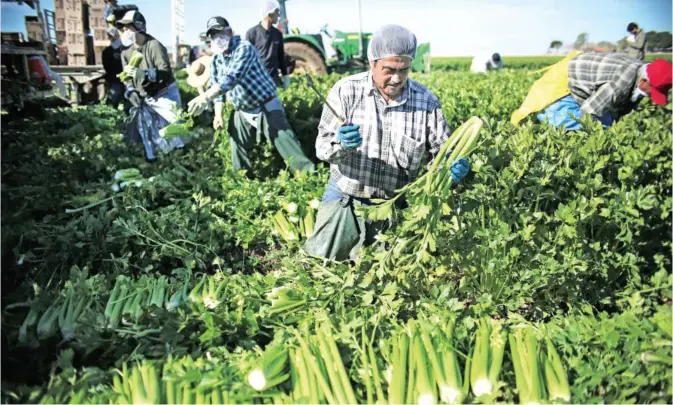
237, 69
391, 122
485, 63
109, 6
607, 87
635, 42
150, 87
112, 63
269, 43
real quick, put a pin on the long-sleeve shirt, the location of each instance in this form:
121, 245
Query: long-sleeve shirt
269, 44
603, 83
395, 136
112, 63
154, 72
240, 72
636, 49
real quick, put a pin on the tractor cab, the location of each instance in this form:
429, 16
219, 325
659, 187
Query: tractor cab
309, 54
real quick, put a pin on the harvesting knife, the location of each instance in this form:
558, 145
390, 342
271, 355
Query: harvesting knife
340, 120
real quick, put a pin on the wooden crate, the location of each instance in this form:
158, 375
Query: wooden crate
76, 59
33, 29
97, 20
98, 51
74, 25
73, 8
100, 37
75, 43
96, 4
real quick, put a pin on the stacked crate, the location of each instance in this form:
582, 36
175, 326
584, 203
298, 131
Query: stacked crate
33, 29
70, 31
98, 27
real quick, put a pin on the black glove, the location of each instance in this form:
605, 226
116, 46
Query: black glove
134, 97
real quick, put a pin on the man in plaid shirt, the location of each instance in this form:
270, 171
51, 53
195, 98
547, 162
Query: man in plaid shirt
237, 69
607, 87
391, 122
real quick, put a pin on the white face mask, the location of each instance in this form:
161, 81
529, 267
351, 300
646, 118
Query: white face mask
128, 38
220, 43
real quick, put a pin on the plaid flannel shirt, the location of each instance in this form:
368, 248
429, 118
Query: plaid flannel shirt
603, 83
395, 136
241, 73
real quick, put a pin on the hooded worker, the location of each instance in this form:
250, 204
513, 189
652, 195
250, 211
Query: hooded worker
391, 121
486, 62
150, 87
603, 86
237, 70
269, 43
112, 63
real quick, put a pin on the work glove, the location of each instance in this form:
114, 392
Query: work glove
459, 170
286, 82
134, 97
218, 120
131, 71
349, 136
200, 103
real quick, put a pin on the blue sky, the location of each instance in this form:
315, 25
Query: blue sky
453, 27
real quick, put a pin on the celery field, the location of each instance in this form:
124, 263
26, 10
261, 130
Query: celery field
543, 277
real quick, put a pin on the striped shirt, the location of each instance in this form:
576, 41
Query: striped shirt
603, 83
395, 136
241, 73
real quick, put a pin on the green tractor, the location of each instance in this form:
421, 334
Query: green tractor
309, 55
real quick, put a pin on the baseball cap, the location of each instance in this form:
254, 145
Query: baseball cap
216, 24
659, 75
133, 17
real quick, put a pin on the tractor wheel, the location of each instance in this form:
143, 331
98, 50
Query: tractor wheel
307, 59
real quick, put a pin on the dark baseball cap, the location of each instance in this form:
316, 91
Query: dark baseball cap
216, 24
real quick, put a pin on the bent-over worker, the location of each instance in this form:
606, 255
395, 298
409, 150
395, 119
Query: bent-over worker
392, 121
237, 69
150, 88
607, 87
486, 62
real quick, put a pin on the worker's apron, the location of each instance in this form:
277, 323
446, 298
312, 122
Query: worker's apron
339, 233
551, 87
155, 113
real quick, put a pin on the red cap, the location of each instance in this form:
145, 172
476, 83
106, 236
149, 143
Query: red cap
659, 76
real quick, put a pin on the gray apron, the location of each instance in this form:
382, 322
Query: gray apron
339, 233
155, 113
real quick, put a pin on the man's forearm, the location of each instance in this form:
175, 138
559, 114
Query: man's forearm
330, 150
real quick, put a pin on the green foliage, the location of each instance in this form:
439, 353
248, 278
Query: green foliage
569, 232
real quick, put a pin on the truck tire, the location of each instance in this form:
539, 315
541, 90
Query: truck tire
307, 59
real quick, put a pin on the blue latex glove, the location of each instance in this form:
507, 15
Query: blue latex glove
459, 170
349, 136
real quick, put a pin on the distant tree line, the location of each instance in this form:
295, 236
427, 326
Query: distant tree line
656, 42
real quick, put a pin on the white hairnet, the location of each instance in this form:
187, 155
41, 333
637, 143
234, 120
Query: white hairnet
392, 40
269, 6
